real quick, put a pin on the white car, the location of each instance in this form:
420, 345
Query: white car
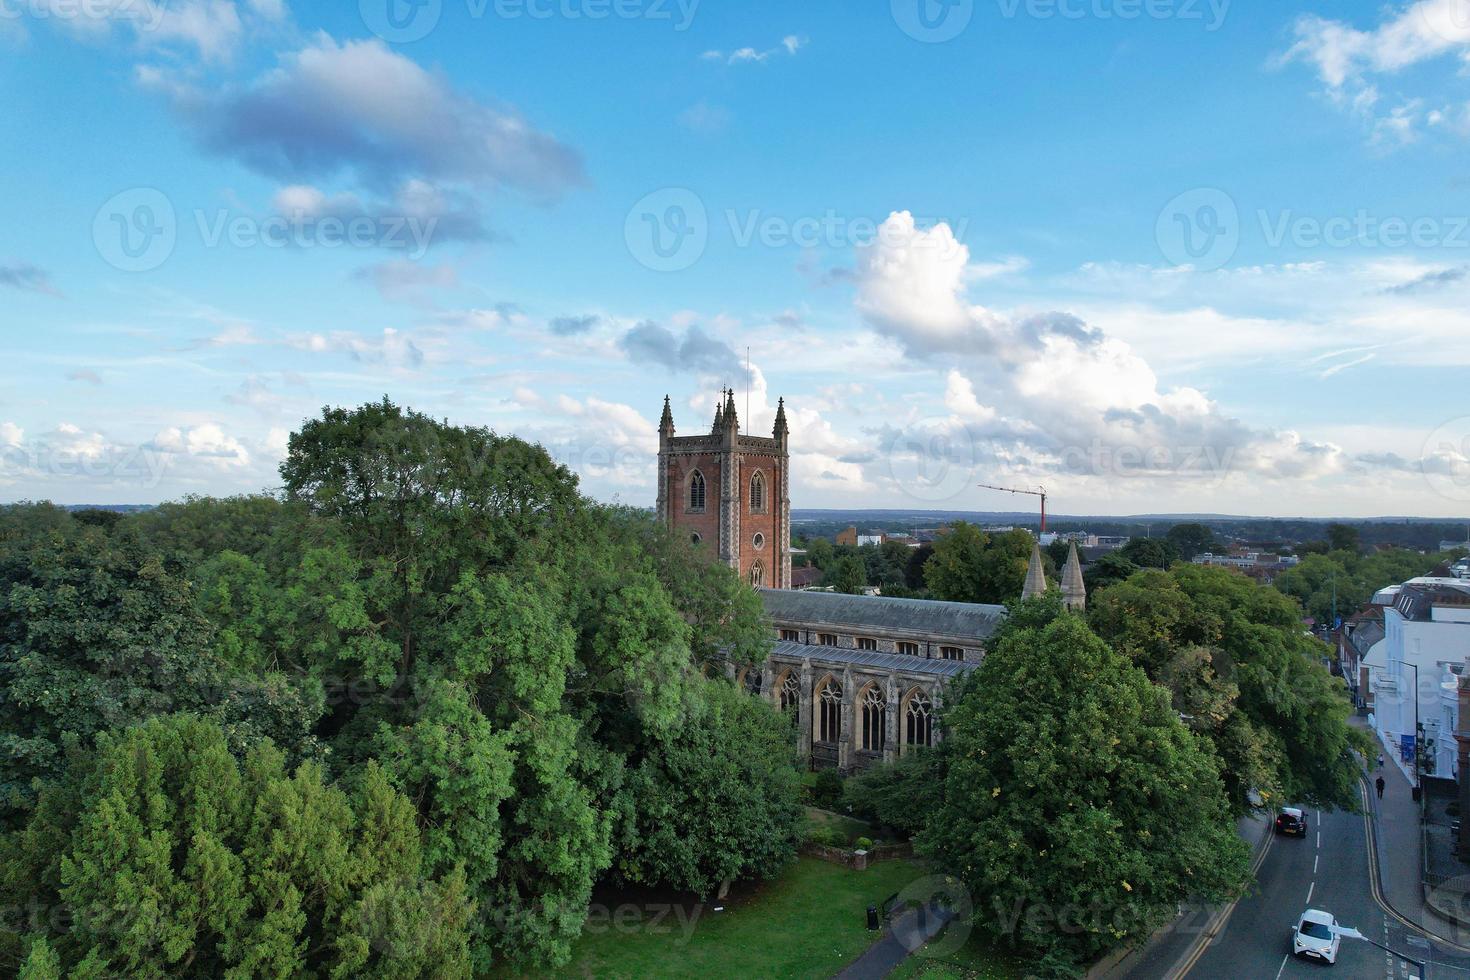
1316, 935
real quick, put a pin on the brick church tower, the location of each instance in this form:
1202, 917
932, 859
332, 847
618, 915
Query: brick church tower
731, 492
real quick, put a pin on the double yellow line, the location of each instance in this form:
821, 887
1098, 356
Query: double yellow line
1375, 885
1222, 917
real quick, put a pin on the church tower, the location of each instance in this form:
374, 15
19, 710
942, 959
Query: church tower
730, 492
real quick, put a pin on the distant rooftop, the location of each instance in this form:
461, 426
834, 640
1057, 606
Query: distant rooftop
965, 619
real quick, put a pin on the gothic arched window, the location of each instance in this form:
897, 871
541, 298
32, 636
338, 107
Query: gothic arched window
829, 712
875, 720
757, 492
753, 681
918, 720
696, 491
790, 693
757, 575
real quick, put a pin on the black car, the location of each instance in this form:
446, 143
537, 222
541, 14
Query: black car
1291, 820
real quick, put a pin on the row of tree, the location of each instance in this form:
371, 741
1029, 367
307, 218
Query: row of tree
398, 722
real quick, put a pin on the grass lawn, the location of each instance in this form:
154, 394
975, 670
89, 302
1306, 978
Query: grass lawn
972, 961
810, 922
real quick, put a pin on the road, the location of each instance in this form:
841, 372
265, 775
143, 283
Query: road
1327, 870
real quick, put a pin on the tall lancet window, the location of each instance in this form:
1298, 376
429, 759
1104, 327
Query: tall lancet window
875, 720
696, 491
758, 492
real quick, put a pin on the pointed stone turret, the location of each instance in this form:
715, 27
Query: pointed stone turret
1035, 576
780, 429
719, 425
666, 424
1074, 590
731, 419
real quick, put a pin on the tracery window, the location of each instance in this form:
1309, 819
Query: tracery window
875, 720
757, 492
918, 720
757, 575
696, 491
829, 712
790, 693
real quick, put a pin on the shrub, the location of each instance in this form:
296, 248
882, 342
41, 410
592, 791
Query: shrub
827, 836
826, 790
863, 843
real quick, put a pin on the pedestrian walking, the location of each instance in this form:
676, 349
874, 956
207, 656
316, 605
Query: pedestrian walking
1380, 760
1379, 784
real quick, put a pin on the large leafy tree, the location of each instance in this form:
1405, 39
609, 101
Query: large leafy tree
1189, 540
1234, 655
715, 798
1068, 774
969, 565
172, 858
94, 634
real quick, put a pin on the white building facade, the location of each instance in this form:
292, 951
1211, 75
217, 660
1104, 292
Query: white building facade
1416, 669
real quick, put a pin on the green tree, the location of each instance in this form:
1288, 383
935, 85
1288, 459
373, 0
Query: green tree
178, 860
819, 553
1344, 537
716, 798
1150, 552
1062, 758
1286, 733
969, 565
847, 574
1109, 569
1189, 540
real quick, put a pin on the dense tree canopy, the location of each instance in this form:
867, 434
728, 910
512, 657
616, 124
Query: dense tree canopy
1239, 665
970, 565
1067, 783
432, 612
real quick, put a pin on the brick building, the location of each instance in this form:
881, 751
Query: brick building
731, 492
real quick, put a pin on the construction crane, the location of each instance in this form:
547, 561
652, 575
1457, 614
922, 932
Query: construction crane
1038, 492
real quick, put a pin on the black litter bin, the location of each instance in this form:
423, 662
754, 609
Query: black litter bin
873, 917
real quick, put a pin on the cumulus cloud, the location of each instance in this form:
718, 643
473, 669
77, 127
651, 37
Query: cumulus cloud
361, 110
26, 277
1060, 395
11, 434
207, 441
652, 343
85, 376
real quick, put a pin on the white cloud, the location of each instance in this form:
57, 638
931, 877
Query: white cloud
788, 46
1348, 59
11, 434
213, 29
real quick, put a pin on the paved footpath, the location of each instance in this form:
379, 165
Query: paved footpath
909, 931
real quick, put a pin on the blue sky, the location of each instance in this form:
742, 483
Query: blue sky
1158, 256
